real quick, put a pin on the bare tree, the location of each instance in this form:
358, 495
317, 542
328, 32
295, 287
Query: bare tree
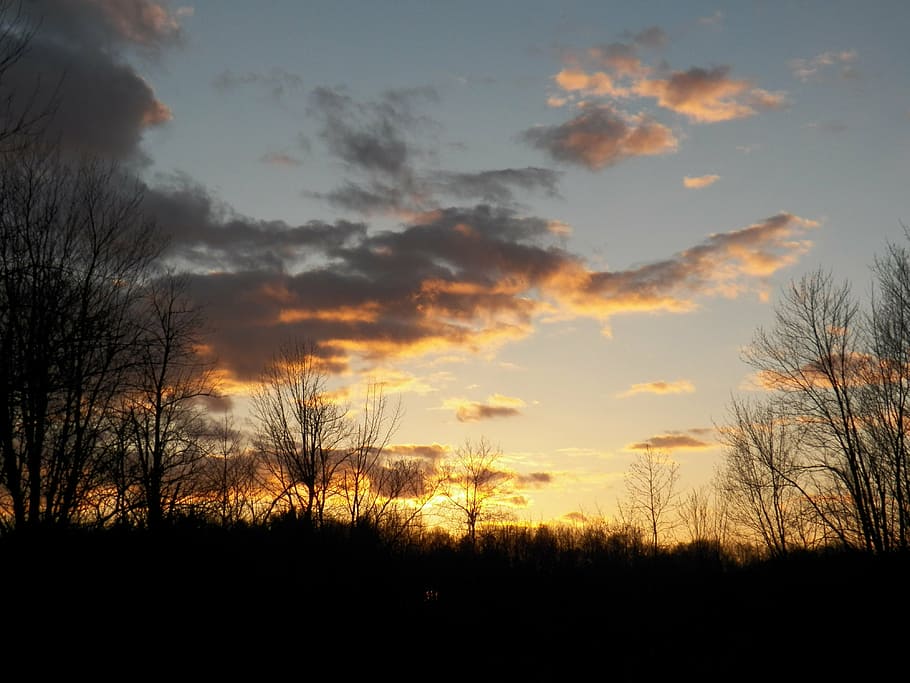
21, 117
652, 494
231, 474
365, 471
473, 485
300, 431
75, 251
832, 374
164, 419
705, 514
767, 484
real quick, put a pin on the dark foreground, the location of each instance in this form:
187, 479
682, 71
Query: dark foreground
254, 605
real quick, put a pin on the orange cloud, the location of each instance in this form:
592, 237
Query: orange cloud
599, 83
698, 182
682, 386
708, 95
143, 22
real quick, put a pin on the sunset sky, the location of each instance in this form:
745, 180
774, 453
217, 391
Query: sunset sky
550, 224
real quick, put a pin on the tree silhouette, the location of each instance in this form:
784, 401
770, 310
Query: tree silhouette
164, 420
299, 431
75, 251
473, 484
652, 494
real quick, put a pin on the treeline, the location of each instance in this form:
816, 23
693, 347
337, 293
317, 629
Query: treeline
537, 601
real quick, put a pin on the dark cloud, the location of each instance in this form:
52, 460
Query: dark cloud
475, 412
432, 453
373, 197
673, 441
533, 480
74, 66
102, 107
599, 137
204, 233
105, 25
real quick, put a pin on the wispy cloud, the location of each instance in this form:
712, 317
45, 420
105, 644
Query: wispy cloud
276, 82
279, 159
698, 182
682, 386
813, 68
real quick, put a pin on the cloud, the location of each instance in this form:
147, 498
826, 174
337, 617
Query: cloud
671, 441
534, 480
599, 83
496, 405
719, 265
709, 95
279, 159
620, 58
828, 126
682, 386
599, 137
653, 36
431, 453
715, 19
204, 234
496, 186
107, 24
76, 64
452, 281
277, 82
698, 182
372, 136
380, 145
816, 67
615, 73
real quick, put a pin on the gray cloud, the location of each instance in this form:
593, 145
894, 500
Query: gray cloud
373, 136
74, 66
204, 233
496, 186
475, 412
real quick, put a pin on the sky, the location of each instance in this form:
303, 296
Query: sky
551, 225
